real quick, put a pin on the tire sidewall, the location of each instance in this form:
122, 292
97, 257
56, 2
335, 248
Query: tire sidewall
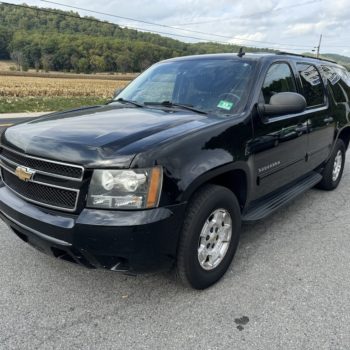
200, 277
339, 147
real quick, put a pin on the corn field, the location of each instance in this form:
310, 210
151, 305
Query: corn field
17, 86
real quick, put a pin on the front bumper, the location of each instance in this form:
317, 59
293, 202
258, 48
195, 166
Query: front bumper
129, 241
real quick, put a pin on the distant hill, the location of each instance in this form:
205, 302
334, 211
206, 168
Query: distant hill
55, 40
343, 60
64, 41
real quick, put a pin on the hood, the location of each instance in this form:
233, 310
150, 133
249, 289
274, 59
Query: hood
109, 135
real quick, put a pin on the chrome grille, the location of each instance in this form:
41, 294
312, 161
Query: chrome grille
53, 185
57, 168
47, 195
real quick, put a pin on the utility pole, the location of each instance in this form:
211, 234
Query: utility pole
318, 47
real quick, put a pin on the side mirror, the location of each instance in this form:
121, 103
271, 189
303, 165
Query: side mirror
117, 92
283, 103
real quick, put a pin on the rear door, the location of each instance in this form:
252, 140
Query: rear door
321, 122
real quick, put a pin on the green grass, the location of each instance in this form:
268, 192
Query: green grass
45, 104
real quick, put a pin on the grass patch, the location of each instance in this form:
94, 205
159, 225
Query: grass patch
45, 104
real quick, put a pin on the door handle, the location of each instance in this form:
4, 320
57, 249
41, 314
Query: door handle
300, 128
328, 120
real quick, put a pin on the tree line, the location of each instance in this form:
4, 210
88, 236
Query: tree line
55, 40
64, 41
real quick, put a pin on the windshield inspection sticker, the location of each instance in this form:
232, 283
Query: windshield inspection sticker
225, 105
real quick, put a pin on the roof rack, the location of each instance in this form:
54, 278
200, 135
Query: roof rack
262, 52
306, 56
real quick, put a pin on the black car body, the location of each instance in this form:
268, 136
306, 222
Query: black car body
263, 158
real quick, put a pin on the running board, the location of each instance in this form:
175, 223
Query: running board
265, 207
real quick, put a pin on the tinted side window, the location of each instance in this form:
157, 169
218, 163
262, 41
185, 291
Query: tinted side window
339, 83
312, 84
279, 78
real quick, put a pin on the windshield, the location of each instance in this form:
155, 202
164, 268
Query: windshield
209, 85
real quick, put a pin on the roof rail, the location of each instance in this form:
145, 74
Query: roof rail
306, 56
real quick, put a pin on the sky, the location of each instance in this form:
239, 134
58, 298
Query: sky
287, 25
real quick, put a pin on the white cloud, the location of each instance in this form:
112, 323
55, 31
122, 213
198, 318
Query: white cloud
258, 36
300, 29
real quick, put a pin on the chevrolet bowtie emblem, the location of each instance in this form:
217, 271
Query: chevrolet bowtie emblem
23, 173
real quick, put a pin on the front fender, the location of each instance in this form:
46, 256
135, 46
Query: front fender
208, 176
195, 158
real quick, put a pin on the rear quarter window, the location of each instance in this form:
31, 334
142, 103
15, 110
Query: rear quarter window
339, 82
312, 85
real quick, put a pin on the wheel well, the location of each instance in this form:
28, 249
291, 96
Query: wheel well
345, 136
236, 181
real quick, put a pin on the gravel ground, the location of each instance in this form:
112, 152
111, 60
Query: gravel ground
288, 288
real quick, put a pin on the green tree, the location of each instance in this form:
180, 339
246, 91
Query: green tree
83, 65
19, 59
5, 38
124, 63
97, 63
47, 62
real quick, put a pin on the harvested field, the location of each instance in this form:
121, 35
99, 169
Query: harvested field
36, 94
39, 87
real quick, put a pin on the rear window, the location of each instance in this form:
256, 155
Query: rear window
311, 81
339, 82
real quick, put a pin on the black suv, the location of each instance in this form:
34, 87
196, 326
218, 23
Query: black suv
163, 175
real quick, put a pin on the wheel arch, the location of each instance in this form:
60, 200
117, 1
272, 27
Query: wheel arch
344, 135
235, 177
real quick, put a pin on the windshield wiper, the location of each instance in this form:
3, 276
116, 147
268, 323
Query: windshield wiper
122, 100
170, 104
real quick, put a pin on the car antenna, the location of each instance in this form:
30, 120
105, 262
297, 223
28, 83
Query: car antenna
241, 53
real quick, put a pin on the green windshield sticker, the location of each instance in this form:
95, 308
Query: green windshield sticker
225, 105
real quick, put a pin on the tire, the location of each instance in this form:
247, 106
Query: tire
209, 203
333, 171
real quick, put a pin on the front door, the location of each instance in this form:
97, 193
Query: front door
279, 146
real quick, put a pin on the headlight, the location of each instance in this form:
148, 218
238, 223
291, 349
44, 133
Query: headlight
125, 189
